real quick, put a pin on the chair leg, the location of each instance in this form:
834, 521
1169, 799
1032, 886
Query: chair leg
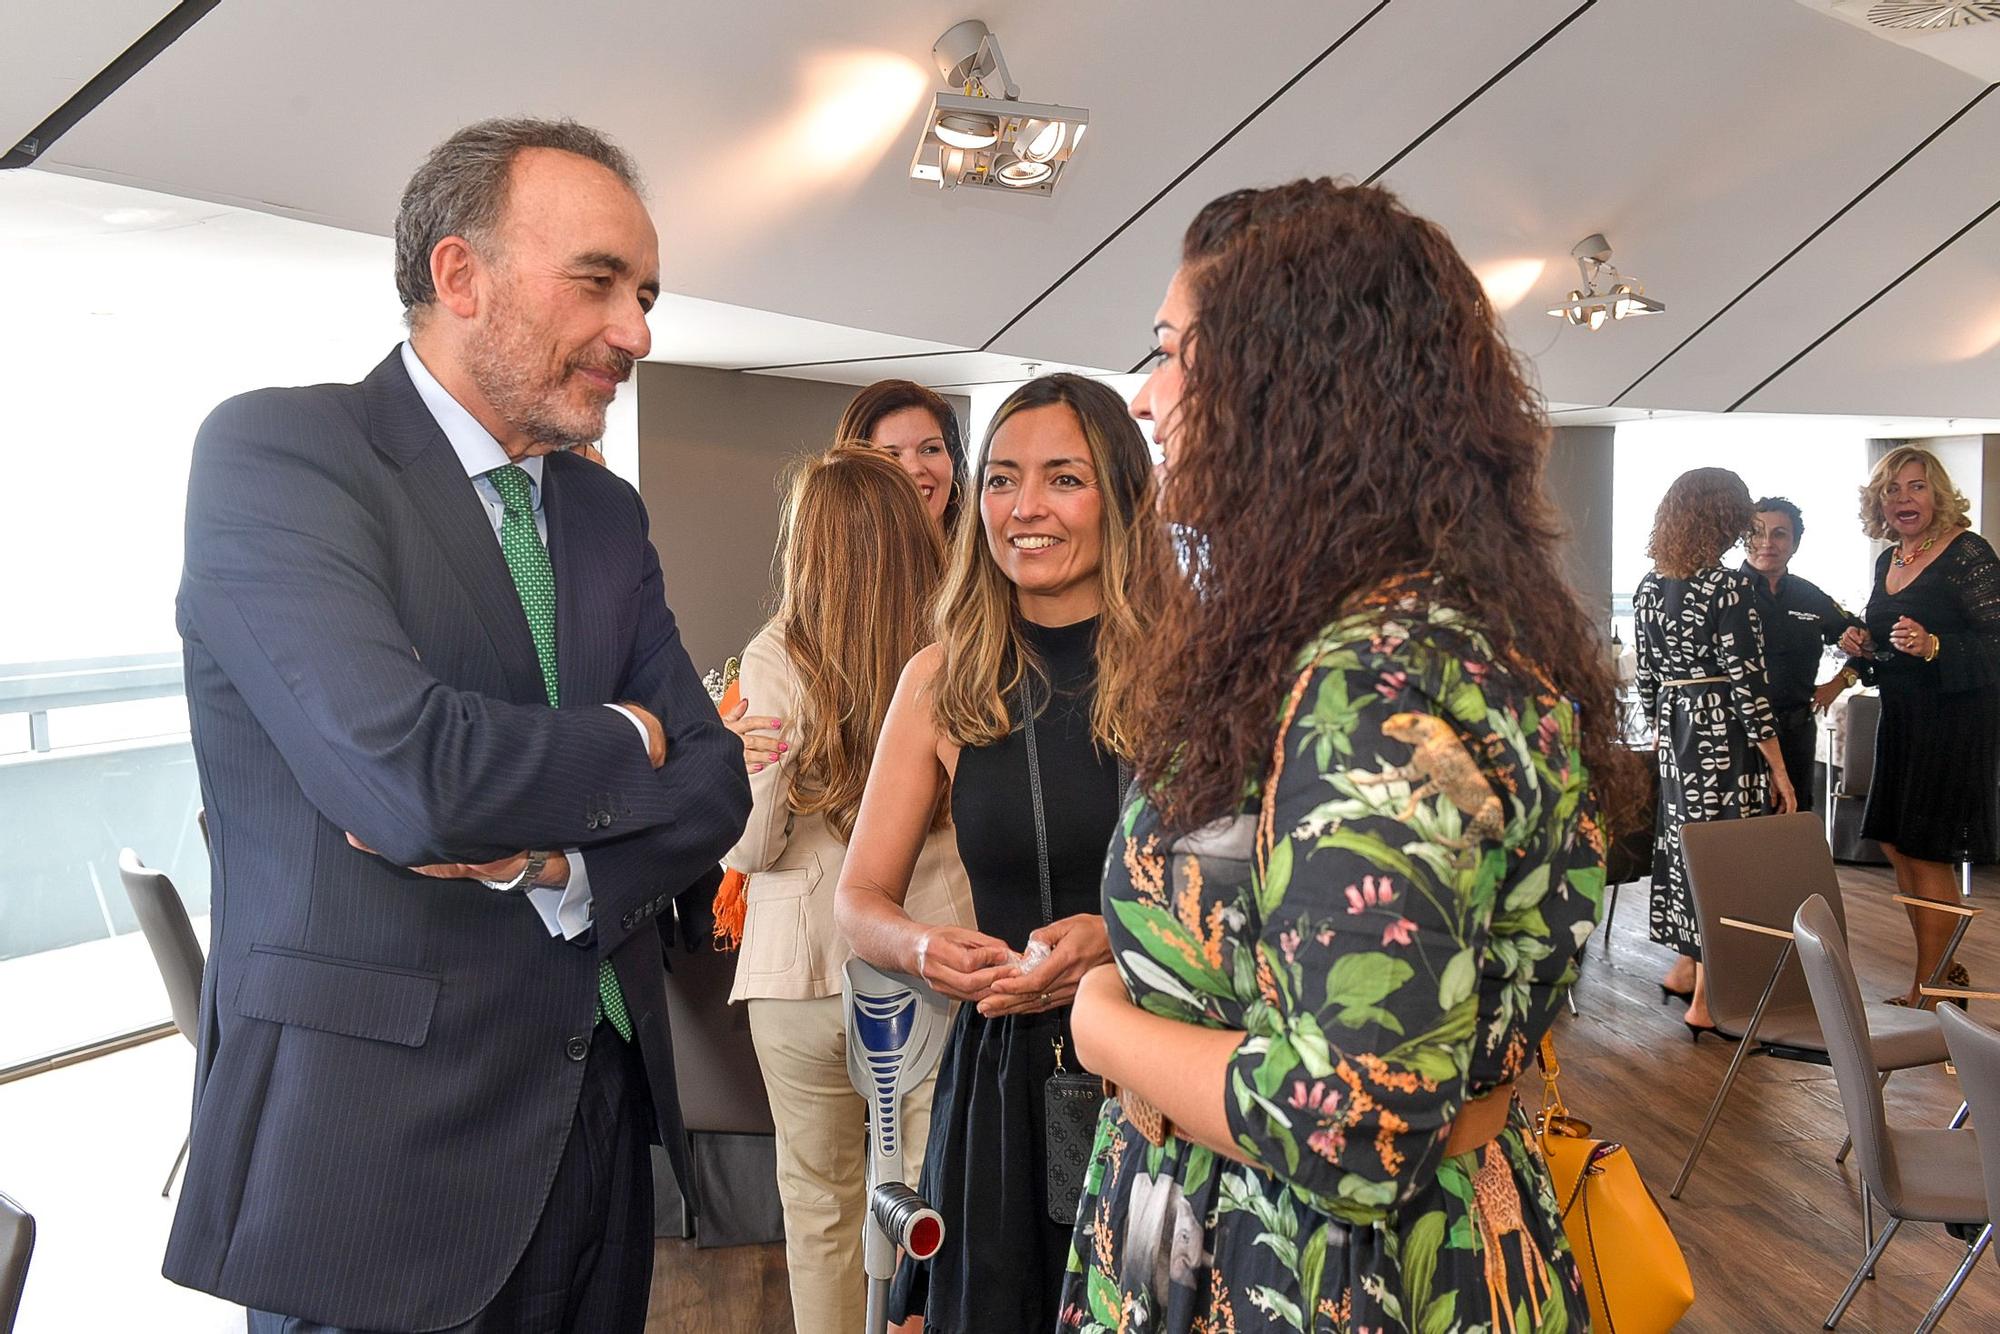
1867, 1222
1847, 1143
1861, 1274
1943, 1302
175, 1170
1570, 996
1959, 1117
1950, 949
1743, 1047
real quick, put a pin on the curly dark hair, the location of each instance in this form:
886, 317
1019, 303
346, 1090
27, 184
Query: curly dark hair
1350, 414
1780, 505
1704, 513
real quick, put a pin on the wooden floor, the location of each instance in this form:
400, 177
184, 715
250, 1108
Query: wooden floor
1770, 1225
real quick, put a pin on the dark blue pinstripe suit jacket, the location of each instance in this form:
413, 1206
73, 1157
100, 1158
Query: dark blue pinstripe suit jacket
388, 1066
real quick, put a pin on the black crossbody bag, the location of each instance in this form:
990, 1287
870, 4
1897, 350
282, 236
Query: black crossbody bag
1071, 1099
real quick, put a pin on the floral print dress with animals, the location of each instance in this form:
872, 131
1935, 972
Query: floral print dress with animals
1393, 917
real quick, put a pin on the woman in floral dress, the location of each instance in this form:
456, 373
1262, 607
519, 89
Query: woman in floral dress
1364, 850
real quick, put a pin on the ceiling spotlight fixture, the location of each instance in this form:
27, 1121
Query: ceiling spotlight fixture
962, 131
981, 133
1621, 298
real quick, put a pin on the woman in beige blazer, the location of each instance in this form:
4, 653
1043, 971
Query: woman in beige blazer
861, 561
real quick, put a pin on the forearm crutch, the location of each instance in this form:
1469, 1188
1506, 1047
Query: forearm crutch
896, 1028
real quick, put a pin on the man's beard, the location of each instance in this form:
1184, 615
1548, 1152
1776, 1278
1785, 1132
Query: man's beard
505, 361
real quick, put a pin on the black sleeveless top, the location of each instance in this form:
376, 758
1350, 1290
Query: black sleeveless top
993, 810
1000, 1270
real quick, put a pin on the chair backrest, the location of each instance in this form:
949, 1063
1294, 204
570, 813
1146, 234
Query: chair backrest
164, 919
1975, 1050
17, 1245
1843, 1019
1757, 870
1857, 747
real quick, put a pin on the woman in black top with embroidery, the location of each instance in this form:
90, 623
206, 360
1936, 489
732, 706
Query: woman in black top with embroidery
1034, 622
1934, 639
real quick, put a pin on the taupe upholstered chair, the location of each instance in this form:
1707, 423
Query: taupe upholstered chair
17, 1247
164, 919
1918, 1174
1749, 878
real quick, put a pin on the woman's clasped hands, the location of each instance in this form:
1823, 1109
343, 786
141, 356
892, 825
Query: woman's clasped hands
971, 966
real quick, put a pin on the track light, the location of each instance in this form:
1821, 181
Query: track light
1623, 299
963, 131
982, 134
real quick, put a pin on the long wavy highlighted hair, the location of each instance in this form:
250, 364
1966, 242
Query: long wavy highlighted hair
1953, 509
867, 408
1350, 415
986, 656
860, 563
1704, 513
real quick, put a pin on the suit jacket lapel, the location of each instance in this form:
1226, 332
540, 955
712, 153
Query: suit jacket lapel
586, 594
401, 427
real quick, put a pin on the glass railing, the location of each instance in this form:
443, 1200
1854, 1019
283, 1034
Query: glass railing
94, 757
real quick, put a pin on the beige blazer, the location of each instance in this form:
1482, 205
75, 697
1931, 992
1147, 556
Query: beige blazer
791, 950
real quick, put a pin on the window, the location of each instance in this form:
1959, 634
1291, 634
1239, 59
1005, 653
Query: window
129, 316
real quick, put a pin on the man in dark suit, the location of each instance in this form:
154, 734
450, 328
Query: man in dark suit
421, 635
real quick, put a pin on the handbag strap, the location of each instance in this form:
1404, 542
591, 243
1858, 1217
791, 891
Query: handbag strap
1035, 795
1552, 1099
1028, 710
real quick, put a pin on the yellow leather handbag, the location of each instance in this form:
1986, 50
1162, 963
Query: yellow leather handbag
1634, 1274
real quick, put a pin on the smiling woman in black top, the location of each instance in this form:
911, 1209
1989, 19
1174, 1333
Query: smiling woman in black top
1933, 634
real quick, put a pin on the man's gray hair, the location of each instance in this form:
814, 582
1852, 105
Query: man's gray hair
461, 190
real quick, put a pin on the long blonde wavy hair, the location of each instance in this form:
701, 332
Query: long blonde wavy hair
1952, 509
985, 656
860, 561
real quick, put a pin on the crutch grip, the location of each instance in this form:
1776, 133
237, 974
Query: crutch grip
909, 1222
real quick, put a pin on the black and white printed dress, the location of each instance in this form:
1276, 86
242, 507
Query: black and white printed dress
1701, 680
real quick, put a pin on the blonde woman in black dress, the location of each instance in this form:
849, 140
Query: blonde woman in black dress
1934, 639
1028, 690
1701, 679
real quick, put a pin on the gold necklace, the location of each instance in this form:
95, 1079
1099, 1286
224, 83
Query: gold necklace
1901, 560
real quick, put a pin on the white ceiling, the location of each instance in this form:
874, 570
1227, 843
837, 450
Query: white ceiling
1741, 155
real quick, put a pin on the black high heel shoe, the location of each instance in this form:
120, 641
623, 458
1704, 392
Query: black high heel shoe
1696, 1030
1682, 996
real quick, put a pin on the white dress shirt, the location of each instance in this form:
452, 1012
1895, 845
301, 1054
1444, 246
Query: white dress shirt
565, 911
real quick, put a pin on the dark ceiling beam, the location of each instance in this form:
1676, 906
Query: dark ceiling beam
1812, 236
1185, 172
38, 141
1854, 314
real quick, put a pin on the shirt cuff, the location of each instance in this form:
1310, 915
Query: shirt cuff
566, 911
645, 737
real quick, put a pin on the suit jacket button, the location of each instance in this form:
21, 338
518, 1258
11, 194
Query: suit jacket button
578, 1048
630, 920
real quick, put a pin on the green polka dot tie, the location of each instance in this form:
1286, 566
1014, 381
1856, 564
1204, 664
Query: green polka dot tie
535, 581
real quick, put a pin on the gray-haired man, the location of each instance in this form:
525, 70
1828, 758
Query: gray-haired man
457, 766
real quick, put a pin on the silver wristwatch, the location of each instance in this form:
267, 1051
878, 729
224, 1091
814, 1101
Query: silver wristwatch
522, 882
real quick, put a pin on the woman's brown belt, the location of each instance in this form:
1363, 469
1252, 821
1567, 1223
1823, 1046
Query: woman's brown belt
1477, 1124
